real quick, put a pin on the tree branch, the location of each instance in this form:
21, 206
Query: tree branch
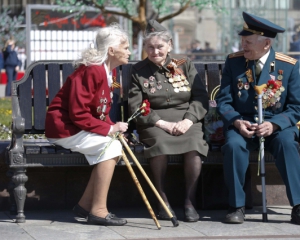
182, 9
141, 20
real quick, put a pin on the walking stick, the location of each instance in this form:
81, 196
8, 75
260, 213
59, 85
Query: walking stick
173, 219
139, 187
121, 94
262, 161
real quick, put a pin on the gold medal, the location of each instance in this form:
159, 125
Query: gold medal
280, 77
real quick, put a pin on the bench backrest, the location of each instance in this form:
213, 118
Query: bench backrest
43, 79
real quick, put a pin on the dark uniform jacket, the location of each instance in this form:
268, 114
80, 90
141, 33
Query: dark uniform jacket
79, 104
234, 103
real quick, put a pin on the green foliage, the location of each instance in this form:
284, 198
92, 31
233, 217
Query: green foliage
11, 26
5, 121
161, 7
5, 111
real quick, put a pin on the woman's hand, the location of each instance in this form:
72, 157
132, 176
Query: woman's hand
181, 127
167, 126
119, 127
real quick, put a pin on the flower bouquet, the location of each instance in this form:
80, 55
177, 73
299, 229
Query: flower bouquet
271, 92
143, 110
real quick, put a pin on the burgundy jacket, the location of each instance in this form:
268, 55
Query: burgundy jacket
79, 104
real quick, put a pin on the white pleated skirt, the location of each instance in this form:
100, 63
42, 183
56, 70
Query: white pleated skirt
91, 145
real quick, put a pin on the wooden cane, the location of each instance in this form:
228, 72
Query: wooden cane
173, 219
139, 187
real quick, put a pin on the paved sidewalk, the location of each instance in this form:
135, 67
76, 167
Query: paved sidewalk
62, 225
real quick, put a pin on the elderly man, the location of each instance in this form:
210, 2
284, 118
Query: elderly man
237, 104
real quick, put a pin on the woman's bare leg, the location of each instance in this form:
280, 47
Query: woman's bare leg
94, 198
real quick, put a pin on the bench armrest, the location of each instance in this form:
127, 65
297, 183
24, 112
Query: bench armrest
16, 148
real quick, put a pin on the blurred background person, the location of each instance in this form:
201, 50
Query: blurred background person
209, 52
11, 64
196, 50
295, 45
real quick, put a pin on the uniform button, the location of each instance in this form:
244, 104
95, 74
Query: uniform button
168, 100
167, 89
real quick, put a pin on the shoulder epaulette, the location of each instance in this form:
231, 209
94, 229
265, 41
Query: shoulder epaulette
236, 54
285, 58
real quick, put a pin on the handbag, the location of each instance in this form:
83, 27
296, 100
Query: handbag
213, 124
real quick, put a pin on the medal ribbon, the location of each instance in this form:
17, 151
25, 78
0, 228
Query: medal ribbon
173, 66
115, 84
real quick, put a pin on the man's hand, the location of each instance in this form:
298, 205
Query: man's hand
245, 127
265, 129
181, 127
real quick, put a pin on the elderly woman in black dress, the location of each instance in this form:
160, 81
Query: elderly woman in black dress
178, 101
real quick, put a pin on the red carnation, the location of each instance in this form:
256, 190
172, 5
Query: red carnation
145, 108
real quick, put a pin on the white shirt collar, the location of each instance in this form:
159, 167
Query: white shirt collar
264, 58
108, 75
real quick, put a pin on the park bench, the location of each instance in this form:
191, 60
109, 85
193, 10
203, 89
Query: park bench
30, 98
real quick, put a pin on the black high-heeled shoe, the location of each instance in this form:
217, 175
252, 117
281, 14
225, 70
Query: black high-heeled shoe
109, 220
190, 214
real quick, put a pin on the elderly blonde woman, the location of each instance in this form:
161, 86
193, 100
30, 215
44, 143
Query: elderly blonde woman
178, 101
78, 119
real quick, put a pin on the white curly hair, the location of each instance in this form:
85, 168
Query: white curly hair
111, 36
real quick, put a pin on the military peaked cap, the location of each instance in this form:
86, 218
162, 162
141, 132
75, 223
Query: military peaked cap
259, 26
154, 26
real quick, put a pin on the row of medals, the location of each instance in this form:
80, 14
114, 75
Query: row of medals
103, 102
179, 83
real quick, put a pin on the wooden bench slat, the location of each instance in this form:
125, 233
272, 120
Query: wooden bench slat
54, 83
200, 67
39, 96
213, 76
67, 69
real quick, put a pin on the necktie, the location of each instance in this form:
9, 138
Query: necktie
257, 69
